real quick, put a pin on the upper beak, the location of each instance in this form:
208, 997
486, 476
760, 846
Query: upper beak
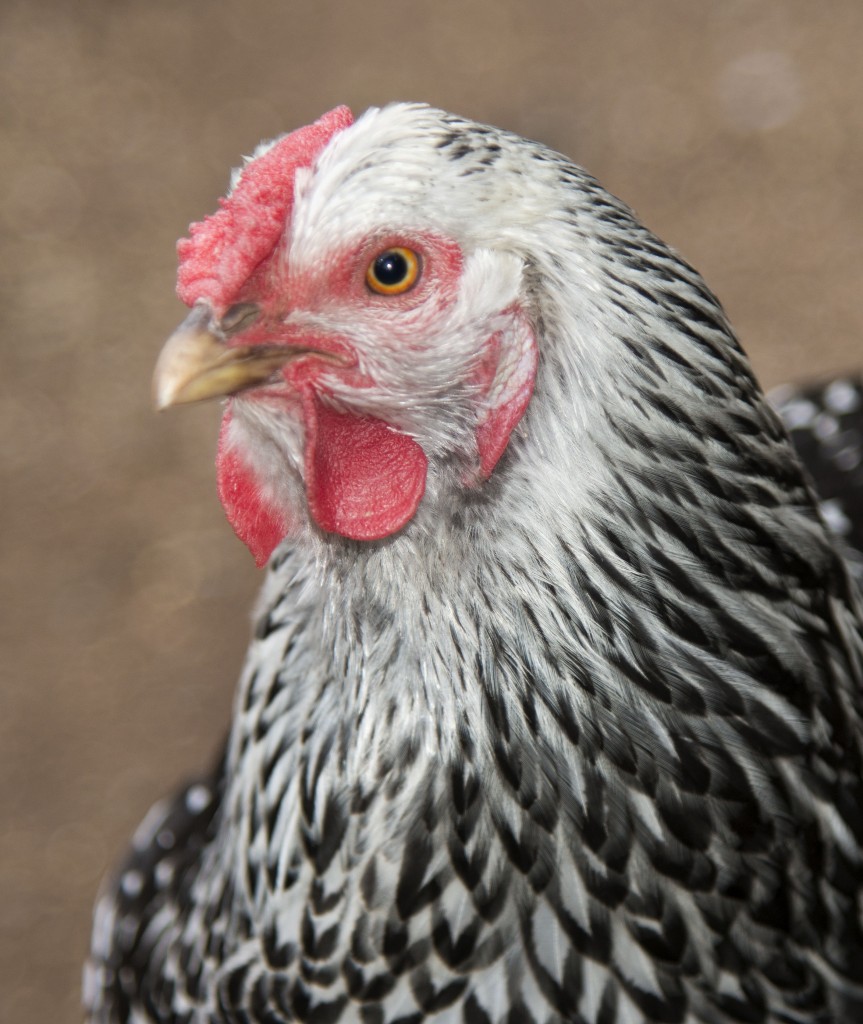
197, 362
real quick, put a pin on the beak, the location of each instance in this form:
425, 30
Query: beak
197, 362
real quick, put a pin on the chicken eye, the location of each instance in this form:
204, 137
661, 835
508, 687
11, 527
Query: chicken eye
394, 271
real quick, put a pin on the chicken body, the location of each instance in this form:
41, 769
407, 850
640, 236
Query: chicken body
565, 723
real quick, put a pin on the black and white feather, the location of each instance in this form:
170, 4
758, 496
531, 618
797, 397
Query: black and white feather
582, 744
826, 425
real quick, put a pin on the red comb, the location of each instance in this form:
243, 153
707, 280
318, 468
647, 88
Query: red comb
224, 249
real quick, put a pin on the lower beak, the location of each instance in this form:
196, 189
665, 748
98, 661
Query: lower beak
197, 362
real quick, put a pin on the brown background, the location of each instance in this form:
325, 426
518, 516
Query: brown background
733, 127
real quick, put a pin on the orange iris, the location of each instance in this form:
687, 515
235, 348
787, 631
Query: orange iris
394, 271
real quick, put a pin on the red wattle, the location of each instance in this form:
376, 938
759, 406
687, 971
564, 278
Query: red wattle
258, 524
364, 480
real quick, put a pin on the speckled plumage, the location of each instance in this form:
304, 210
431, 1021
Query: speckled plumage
580, 743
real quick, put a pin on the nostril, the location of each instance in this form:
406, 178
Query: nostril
238, 316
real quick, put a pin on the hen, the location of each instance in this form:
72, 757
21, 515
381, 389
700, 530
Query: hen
553, 708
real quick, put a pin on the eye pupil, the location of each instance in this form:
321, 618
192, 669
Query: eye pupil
391, 268
394, 271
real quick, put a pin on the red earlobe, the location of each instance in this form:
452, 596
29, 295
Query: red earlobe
508, 374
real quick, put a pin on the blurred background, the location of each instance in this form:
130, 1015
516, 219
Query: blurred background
733, 128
